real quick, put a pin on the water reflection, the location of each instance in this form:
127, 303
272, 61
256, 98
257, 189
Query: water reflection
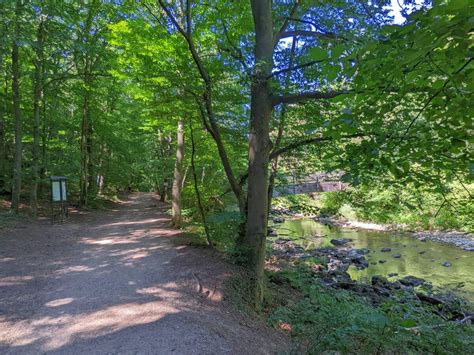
421, 259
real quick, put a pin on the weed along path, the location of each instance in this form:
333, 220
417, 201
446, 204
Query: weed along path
118, 281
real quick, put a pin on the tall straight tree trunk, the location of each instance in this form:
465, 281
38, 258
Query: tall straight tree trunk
91, 173
3, 112
37, 98
16, 190
178, 177
44, 139
196, 186
85, 130
259, 148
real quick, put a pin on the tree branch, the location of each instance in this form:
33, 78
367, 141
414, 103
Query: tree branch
309, 141
283, 28
295, 67
306, 33
305, 96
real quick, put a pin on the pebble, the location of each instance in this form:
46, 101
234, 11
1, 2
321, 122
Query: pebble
339, 241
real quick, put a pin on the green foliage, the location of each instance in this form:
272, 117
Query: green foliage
325, 320
414, 208
332, 202
303, 204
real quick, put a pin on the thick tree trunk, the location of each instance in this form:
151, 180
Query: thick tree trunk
37, 98
16, 190
178, 177
259, 148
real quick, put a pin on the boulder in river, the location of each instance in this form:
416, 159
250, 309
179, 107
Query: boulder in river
392, 274
340, 241
382, 261
271, 232
362, 264
278, 220
385, 250
412, 281
446, 264
397, 256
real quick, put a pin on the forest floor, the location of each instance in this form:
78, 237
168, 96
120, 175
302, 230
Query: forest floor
119, 281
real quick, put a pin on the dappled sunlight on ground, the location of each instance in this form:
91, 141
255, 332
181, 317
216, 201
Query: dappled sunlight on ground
106, 241
14, 280
55, 332
116, 281
141, 222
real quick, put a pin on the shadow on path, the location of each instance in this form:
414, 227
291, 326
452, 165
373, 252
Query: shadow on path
118, 281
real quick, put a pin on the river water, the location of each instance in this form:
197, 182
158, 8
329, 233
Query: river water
420, 259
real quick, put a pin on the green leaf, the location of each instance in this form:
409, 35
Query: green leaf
408, 323
337, 51
318, 53
456, 4
438, 84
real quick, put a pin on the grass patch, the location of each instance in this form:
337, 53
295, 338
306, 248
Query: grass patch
9, 219
325, 320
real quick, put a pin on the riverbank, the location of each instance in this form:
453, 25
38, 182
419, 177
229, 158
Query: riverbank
312, 295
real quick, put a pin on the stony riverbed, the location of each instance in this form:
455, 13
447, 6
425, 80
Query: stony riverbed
365, 254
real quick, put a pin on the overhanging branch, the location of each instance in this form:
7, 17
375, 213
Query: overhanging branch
305, 96
313, 140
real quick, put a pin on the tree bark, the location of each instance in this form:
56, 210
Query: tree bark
37, 98
16, 188
176, 220
253, 243
196, 186
3, 113
85, 149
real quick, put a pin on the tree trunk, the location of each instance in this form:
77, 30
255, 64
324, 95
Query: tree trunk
91, 171
259, 148
44, 140
37, 96
3, 112
178, 177
16, 190
85, 131
196, 186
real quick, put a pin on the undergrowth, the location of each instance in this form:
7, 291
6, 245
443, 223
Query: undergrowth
325, 320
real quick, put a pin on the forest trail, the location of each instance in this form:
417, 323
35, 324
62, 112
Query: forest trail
118, 281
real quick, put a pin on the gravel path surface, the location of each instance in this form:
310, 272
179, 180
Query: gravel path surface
119, 281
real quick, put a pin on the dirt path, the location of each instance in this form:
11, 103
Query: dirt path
118, 281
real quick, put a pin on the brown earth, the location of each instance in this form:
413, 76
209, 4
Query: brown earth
119, 281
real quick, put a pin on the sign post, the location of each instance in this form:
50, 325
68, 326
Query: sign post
59, 207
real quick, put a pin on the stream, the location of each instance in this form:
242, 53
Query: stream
418, 258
